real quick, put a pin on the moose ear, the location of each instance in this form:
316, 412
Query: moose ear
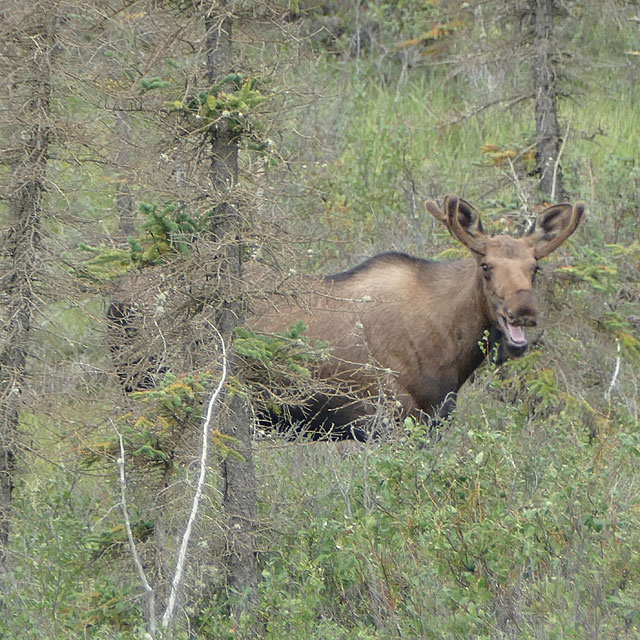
553, 226
464, 224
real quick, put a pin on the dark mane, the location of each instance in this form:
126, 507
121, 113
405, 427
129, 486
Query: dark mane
390, 257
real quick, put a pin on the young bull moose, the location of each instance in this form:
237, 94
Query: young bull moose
416, 323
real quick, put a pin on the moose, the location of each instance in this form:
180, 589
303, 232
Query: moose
412, 329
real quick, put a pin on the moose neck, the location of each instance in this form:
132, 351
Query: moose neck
466, 315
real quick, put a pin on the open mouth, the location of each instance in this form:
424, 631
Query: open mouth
515, 338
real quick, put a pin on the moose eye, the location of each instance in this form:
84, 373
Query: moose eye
485, 267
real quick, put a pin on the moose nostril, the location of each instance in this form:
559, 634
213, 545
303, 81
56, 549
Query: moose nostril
520, 319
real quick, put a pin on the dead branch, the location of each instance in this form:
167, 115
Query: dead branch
212, 409
148, 589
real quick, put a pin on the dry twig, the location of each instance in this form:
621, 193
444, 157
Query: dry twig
212, 409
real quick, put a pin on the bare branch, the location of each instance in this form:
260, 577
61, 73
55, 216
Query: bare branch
557, 163
212, 409
149, 594
616, 373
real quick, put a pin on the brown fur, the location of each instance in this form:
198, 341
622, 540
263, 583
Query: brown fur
410, 328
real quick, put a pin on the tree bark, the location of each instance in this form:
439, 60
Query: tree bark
31, 45
545, 77
239, 483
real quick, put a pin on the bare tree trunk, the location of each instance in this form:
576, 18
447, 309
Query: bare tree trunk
239, 491
29, 49
545, 77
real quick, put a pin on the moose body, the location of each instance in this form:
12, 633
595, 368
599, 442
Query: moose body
411, 328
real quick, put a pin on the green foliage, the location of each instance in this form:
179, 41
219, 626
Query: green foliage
165, 229
595, 268
59, 587
512, 515
277, 367
149, 84
115, 538
114, 607
234, 99
619, 326
621, 182
290, 351
391, 156
150, 438
105, 262
411, 23
385, 29
169, 230
165, 232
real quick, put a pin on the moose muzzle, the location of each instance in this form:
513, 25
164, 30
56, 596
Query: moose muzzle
519, 310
